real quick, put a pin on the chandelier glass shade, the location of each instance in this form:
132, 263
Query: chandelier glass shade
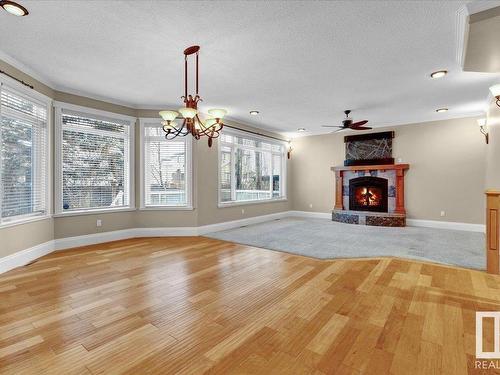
186, 120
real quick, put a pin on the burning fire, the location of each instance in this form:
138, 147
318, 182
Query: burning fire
368, 196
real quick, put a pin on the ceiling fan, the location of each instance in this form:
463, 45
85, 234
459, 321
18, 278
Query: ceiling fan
348, 123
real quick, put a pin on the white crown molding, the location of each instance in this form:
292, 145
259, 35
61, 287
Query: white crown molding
85, 94
26, 69
462, 34
26, 256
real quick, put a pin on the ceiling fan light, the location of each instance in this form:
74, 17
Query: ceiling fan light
217, 113
188, 112
13, 8
168, 115
495, 90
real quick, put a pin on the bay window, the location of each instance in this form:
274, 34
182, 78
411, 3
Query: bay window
94, 160
165, 168
24, 156
250, 169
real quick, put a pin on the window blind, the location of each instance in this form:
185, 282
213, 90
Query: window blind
23, 156
166, 173
95, 162
250, 169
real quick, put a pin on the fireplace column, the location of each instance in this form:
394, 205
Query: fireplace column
400, 192
339, 190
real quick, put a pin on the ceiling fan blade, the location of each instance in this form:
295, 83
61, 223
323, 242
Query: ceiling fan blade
339, 130
361, 128
331, 126
358, 124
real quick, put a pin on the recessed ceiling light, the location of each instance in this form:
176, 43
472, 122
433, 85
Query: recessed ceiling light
439, 110
439, 74
301, 130
14, 8
254, 113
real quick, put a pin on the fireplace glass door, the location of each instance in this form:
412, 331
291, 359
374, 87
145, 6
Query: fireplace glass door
368, 194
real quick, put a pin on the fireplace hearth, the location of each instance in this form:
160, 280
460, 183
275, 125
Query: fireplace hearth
368, 194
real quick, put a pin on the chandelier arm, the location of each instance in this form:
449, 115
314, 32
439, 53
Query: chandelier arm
210, 131
178, 132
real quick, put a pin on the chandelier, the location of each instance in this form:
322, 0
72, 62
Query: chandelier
190, 122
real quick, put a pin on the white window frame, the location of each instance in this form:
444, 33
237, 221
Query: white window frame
142, 170
33, 95
284, 168
60, 107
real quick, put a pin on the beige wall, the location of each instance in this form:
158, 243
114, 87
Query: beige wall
23, 236
447, 170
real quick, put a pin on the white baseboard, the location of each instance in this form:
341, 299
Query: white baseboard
164, 232
28, 255
91, 239
25, 256
240, 223
410, 222
310, 214
446, 225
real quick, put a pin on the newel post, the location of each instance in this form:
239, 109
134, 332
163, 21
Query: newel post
492, 231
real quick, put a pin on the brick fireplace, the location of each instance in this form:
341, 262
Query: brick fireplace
371, 193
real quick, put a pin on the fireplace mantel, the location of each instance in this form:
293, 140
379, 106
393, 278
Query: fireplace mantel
399, 171
381, 167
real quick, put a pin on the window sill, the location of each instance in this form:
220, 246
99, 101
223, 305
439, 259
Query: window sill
94, 211
246, 203
24, 221
167, 208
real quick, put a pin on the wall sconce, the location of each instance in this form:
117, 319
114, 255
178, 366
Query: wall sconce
289, 150
483, 129
495, 91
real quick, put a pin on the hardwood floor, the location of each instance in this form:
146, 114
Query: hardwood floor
193, 305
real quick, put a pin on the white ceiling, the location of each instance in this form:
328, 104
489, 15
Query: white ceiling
299, 63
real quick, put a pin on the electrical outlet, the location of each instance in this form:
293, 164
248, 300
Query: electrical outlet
400, 160
310, 205
243, 211
98, 223
443, 213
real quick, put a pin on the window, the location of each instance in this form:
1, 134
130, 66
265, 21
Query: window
23, 157
165, 167
250, 169
95, 165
